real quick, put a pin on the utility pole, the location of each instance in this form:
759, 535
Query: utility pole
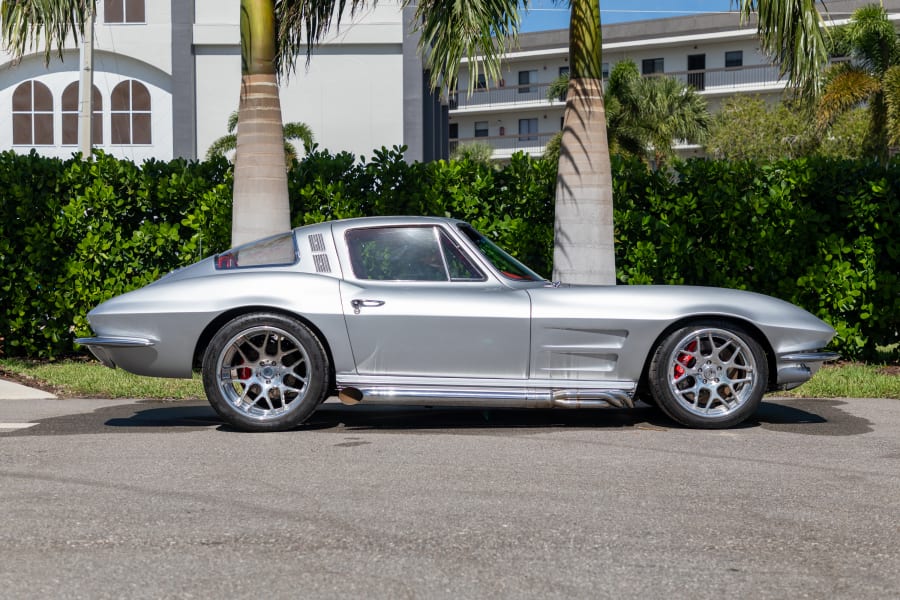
86, 90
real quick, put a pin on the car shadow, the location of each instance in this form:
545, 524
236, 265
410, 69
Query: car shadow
789, 415
794, 415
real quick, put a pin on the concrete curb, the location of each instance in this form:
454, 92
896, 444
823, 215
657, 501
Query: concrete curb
14, 391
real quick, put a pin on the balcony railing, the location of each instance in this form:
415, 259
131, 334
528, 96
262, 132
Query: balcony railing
709, 80
533, 93
731, 78
532, 143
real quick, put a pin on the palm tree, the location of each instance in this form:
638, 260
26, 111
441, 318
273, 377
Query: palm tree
294, 130
583, 223
872, 78
666, 110
645, 116
273, 34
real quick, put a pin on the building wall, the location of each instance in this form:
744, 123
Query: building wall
188, 57
499, 107
133, 51
350, 94
503, 105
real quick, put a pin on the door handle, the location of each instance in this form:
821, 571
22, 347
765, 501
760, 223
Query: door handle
358, 304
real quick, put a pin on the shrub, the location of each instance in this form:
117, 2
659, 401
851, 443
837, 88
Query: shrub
821, 233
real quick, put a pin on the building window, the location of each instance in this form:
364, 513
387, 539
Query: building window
123, 11
649, 66
526, 78
481, 83
604, 70
70, 110
130, 113
563, 72
735, 58
32, 112
696, 64
528, 129
481, 128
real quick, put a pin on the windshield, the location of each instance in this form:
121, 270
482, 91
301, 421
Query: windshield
508, 266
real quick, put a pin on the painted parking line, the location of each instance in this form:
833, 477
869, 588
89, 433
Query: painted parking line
15, 426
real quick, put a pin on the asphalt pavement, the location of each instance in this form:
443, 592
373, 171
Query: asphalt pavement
152, 499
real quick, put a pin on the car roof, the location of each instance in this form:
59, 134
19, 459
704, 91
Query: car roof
384, 221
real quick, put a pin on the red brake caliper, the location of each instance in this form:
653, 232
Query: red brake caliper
684, 359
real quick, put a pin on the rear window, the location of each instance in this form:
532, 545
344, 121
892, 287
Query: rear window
275, 251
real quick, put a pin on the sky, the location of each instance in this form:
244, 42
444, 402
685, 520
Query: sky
547, 14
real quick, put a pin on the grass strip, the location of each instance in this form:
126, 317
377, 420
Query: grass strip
89, 379
851, 380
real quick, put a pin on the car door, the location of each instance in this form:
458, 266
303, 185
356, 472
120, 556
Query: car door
417, 305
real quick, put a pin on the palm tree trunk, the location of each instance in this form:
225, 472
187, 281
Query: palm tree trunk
583, 229
261, 205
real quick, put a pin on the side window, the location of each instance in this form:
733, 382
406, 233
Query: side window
130, 113
396, 254
458, 264
123, 11
32, 113
275, 251
70, 102
408, 254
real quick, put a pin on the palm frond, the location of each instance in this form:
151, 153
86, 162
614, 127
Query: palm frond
233, 121
891, 88
300, 131
302, 24
846, 87
222, 146
479, 31
558, 88
791, 31
873, 38
26, 25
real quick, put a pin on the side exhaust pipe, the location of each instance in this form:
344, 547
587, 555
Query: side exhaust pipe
350, 396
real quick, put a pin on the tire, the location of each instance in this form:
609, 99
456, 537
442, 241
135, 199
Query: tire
265, 372
709, 375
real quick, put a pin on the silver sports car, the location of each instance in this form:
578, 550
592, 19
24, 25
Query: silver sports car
408, 310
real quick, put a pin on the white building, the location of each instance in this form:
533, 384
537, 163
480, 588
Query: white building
167, 75
712, 52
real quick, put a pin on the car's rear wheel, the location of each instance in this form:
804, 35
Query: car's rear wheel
265, 372
709, 375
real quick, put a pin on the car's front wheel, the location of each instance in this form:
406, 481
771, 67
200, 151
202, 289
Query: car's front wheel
265, 372
709, 375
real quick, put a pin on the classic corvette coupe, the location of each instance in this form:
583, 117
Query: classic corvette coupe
409, 310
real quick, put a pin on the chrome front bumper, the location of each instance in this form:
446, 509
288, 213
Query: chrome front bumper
796, 368
102, 347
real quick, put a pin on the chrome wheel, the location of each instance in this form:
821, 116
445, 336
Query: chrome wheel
711, 374
265, 372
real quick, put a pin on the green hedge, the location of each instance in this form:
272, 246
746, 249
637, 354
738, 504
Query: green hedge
820, 233
823, 234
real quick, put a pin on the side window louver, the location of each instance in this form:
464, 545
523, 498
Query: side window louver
320, 259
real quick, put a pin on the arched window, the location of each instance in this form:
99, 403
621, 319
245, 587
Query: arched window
32, 111
70, 110
123, 11
130, 113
